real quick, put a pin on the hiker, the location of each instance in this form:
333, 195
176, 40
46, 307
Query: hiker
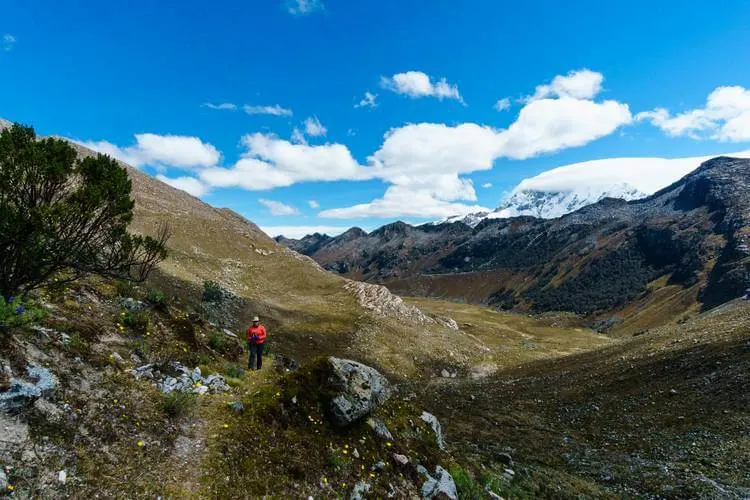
256, 339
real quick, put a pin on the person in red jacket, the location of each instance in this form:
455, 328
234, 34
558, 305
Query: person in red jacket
256, 340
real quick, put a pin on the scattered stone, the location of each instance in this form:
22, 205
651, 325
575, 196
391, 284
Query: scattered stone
62, 477
230, 333
433, 422
505, 459
186, 381
359, 490
440, 486
493, 495
509, 474
673, 392
285, 364
402, 459
49, 411
380, 429
355, 453
201, 390
133, 306
379, 466
196, 375
360, 388
3, 480
38, 382
117, 359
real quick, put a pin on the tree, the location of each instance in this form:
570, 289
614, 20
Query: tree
63, 216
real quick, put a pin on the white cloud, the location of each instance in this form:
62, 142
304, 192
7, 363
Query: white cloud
416, 84
314, 128
7, 42
152, 149
487, 185
368, 101
278, 208
313, 204
225, 106
304, 7
502, 104
275, 110
190, 185
647, 175
298, 137
578, 84
725, 117
298, 232
424, 162
271, 162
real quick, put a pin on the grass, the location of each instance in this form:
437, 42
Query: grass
179, 404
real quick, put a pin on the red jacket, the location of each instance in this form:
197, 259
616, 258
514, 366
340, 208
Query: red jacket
256, 334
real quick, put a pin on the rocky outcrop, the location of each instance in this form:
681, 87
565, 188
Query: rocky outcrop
434, 423
356, 390
24, 389
181, 379
441, 486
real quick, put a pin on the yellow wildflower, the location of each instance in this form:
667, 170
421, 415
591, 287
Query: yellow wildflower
140, 444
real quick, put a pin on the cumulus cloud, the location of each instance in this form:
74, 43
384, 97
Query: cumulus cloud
270, 162
298, 232
502, 104
7, 42
277, 207
725, 117
416, 84
424, 162
190, 185
275, 110
224, 106
314, 128
578, 84
368, 101
304, 7
162, 150
487, 185
313, 204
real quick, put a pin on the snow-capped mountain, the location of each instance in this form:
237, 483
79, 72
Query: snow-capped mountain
551, 204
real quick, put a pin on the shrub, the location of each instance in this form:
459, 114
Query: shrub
136, 321
234, 371
124, 288
15, 311
156, 297
465, 484
212, 291
216, 341
178, 404
66, 217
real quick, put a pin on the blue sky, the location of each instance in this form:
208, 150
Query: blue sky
293, 147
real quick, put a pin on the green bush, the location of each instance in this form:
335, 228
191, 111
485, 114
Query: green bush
216, 341
234, 371
212, 291
124, 288
465, 484
15, 311
136, 321
156, 297
178, 404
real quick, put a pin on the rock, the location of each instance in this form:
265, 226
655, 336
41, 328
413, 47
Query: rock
505, 459
355, 453
401, 459
217, 384
379, 428
284, 363
360, 388
509, 474
38, 382
62, 477
133, 306
445, 373
196, 374
201, 390
359, 490
380, 465
3, 480
230, 333
49, 411
441, 486
673, 392
493, 495
117, 359
433, 422
237, 406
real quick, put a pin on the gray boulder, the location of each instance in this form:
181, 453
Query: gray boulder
380, 429
358, 390
442, 486
38, 382
358, 493
433, 422
134, 306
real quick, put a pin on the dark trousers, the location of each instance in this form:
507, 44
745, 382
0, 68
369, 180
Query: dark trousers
256, 352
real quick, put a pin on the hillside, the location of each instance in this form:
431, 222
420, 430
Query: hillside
645, 261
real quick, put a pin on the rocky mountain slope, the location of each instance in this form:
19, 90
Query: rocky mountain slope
684, 247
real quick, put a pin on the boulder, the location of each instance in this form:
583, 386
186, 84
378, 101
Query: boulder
357, 389
433, 422
358, 493
380, 429
134, 306
442, 486
38, 382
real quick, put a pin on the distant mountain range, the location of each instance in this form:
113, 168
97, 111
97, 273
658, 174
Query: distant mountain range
550, 204
687, 246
